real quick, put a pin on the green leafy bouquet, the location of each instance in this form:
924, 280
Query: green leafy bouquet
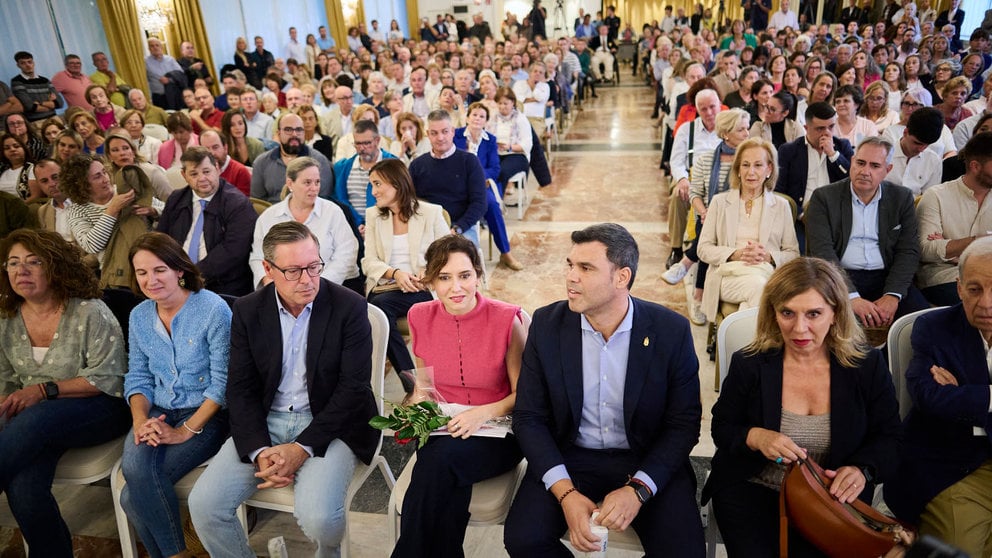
417, 420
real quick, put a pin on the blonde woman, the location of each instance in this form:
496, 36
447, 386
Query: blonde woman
748, 231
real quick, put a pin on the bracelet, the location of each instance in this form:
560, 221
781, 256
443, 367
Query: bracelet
197, 432
44, 394
567, 492
392, 275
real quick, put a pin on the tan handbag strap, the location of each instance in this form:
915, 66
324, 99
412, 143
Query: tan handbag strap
783, 520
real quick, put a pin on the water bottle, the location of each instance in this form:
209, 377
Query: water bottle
598, 531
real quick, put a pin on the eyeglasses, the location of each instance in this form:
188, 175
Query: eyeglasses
365, 143
13, 266
291, 130
294, 273
910, 104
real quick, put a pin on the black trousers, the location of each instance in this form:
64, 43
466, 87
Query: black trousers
668, 524
395, 304
871, 286
435, 508
747, 515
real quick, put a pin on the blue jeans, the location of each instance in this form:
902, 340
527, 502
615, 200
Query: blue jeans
31, 444
149, 498
320, 488
472, 234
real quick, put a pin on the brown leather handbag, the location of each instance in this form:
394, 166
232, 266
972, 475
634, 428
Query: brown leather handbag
852, 530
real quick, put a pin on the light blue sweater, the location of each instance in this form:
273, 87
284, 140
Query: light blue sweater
178, 372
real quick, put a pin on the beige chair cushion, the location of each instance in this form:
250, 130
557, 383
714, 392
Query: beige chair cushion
491, 498
86, 465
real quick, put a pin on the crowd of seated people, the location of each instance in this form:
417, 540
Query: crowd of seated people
339, 176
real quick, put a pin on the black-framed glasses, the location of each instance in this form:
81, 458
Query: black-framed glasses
294, 273
910, 104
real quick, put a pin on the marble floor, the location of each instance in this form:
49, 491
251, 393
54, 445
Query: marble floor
606, 169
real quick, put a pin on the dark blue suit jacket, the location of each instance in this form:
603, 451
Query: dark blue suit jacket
864, 417
793, 167
661, 406
488, 152
338, 361
939, 447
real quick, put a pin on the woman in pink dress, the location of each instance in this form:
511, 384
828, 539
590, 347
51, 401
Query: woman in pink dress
474, 345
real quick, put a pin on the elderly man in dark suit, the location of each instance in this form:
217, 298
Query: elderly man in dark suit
868, 227
300, 397
214, 222
607, 411
944, 478
814, 160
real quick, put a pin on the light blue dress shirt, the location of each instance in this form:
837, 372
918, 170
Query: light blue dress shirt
604, 372
863, 252
292, 395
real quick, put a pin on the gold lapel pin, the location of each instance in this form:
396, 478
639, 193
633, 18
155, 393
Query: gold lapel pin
646, 342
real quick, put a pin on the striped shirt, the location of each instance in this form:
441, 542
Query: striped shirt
91, 226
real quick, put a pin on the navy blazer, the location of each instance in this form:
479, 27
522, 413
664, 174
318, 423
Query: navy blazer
228, 229
339, 364
661, 407
828, 230
864, 418
939, 447
793, 167
488, 152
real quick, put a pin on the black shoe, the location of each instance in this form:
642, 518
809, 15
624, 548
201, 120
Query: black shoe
674, 257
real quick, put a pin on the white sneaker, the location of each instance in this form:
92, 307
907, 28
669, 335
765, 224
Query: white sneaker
696, 314
510, 197
675, 273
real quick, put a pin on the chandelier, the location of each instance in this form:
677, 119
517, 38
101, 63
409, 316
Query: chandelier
154, 15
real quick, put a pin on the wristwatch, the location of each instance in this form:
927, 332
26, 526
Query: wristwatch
640, 489
51, 390
457, 229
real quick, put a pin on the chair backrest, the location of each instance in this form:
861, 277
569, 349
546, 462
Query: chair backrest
260, 205
380, 338
900, 350
736, 332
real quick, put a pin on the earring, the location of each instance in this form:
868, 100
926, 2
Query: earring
182, 282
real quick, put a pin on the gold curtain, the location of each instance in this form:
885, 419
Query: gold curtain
359, 12
639, 12
335, 23
413, 18
126, 42
187, 25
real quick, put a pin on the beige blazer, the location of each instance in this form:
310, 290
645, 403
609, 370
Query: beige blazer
426, 226
718, 239
793, 130
430, 97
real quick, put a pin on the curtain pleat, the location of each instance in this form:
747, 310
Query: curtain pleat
126, 41
188, 26
413, 19
335, 23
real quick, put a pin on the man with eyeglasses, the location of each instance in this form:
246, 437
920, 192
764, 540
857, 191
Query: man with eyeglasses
269, 170
206, 117
351, 176
213, 222
299, 391
336, 121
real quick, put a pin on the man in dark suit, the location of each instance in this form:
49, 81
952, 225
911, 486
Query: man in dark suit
944, 478
300, 397
851, 13
868, 227
814, 160
214, 222
954, 16
607, 411
603, 49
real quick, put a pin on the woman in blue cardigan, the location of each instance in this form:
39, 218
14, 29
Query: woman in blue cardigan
474, 139
179, 343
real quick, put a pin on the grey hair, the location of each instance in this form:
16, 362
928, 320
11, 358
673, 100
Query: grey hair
621, 248
298, 165
707, 93
285, 233
880, 142
980, 247
438, 115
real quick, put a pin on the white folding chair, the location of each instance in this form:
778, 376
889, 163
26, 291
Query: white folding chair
282, 499
519, 183
87, 465
736, 332
900, 352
